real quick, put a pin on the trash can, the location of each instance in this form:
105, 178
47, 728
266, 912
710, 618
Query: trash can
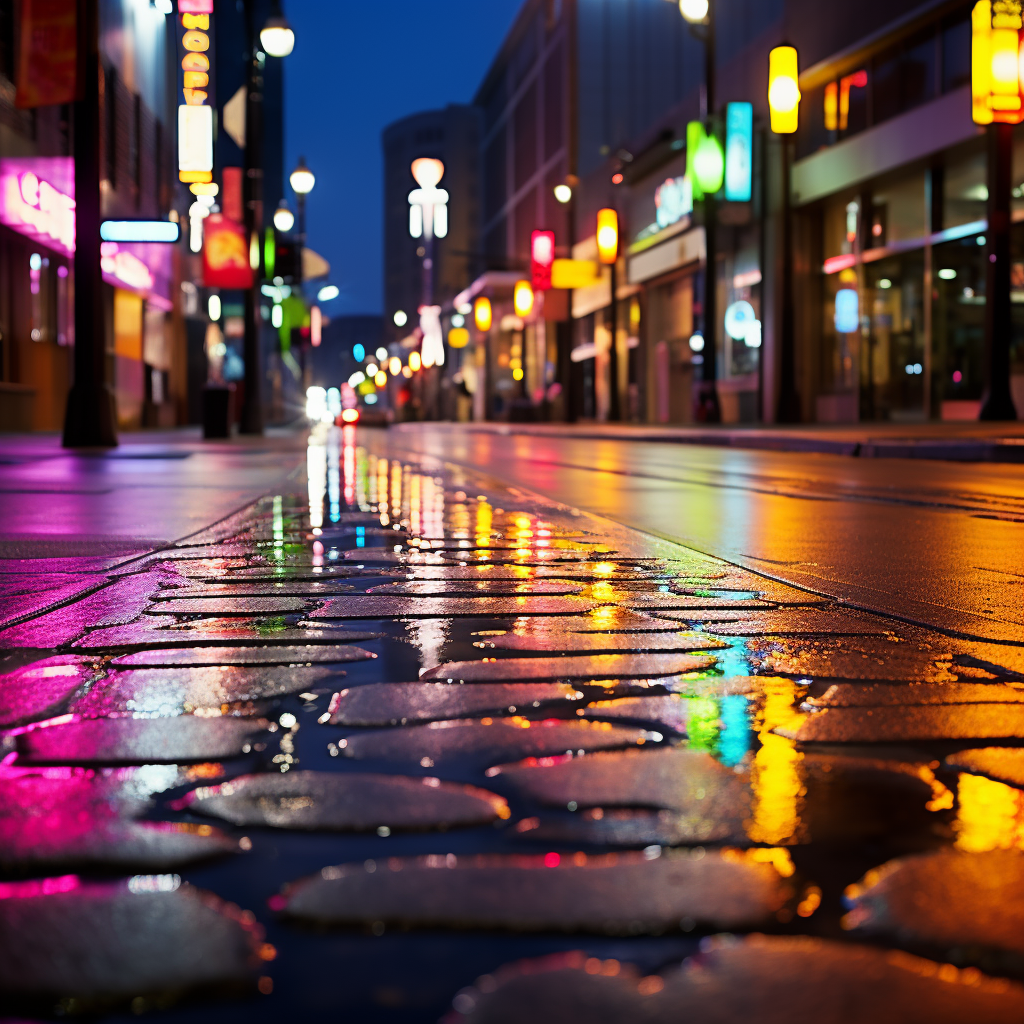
216, 411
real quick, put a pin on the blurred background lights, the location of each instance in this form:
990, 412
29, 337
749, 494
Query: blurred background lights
697, 342
947, 274
458, 320
328, 292
382, 354
563, 193
400, 318
213, 306
358, 353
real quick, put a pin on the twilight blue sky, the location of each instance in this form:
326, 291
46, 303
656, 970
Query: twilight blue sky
357, 66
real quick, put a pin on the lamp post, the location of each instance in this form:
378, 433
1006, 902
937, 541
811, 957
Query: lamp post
700, 15
302, 181
784, 105
277, 39
608, 254
997, 101
89, 419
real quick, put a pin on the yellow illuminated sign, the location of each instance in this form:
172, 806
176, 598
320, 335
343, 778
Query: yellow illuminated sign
995, 69
784, 90
574, 273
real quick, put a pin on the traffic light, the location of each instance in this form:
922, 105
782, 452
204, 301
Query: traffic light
286, 261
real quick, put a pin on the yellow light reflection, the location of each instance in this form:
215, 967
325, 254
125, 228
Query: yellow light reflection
990, 815
775, 778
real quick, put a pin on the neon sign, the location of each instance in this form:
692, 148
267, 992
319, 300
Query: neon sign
33, 207
195, 114
124, 268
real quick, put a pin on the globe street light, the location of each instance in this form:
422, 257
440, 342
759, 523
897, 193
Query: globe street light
284, 219
302, 181
694, 11
276, 36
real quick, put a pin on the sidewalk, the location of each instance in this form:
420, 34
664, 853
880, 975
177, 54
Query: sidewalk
960, 442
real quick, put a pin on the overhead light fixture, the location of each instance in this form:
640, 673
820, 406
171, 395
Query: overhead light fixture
276, 36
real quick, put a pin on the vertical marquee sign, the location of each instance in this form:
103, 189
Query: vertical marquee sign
195, 112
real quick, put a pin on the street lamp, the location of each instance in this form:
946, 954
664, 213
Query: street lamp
284, 219
694, 11
700, 15
302, 181
784, 105
276, 36
277, 39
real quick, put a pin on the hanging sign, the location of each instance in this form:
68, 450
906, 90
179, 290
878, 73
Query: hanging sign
225, 254
48, 70
195, 111
739, 151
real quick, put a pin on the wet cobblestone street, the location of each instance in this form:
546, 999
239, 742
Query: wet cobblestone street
402, 742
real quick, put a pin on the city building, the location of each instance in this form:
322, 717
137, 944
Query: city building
890, 188
37, 227
881, 313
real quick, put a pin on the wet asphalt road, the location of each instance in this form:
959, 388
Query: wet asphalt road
427, 724
936, 543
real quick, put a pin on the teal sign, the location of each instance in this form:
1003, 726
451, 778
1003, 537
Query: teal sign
739, 152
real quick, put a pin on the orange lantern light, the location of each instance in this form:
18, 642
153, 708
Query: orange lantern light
522, 298
607, 236
482, 313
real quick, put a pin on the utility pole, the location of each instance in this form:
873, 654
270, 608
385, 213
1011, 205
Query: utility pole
252, 194
89, 419
997, 402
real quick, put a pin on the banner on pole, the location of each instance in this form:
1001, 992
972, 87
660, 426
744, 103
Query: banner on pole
48, 71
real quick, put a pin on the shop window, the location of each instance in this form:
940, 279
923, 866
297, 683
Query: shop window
956, 54
904, 77
898, 212
964, 191
958, 325
841, 225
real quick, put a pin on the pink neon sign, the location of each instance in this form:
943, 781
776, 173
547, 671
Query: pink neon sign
37, 204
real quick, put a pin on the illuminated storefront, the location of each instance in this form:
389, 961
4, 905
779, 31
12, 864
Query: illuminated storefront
892, 188
666, 260
37, 244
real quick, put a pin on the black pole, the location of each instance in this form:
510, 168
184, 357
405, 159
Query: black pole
252, 400
708, 408
789, 399
301, 199
997, 403
89, 418
614, 405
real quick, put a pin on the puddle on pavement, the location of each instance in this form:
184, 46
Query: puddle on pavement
229, 647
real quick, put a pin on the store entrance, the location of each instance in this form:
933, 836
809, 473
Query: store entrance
892, 355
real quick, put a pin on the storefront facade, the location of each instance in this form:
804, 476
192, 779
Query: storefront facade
891, 192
